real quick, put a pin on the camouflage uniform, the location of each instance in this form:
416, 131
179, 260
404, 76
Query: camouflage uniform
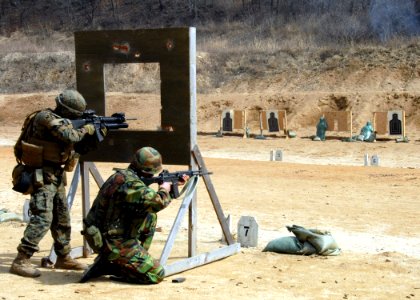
125, 213
45, 149
48, 204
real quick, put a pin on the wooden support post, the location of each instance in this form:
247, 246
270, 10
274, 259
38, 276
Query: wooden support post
198, 260
403, 124
87, 167
192, 225
73, 186
201, 259
285, 125
244, 125
374, 121
85, 200
177, 224
192, 210
221, 123
213, 196
95, 173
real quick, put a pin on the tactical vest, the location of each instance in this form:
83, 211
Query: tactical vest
35, 152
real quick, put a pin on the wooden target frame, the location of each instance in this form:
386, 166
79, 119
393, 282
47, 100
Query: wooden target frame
381, 122
339, 121
237, 119
175, 51
280, 120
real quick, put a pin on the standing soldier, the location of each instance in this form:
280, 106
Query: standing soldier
45, 150
122, 220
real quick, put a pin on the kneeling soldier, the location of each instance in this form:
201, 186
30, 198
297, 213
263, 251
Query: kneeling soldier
122, 220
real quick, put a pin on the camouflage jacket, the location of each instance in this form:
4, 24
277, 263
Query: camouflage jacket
56, 136
49, 126
123, 203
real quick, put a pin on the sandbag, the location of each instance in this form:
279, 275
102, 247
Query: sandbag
321, 240
305, 242
289, 245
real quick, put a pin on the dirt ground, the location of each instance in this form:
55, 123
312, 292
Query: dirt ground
372, 212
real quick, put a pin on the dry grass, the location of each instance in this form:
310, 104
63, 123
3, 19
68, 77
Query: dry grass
236, 43
29, 43
223, 26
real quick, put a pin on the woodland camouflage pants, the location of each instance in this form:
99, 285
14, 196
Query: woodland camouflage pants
131, 255
48, 208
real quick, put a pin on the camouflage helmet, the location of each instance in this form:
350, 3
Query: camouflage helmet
147, 160
71, 103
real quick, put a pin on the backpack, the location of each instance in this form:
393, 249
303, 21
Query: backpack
24, 135
22, 175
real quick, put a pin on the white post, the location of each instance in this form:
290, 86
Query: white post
248, 231
366, 159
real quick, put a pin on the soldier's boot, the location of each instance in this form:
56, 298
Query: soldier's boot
66, 262
101, 266
22, 266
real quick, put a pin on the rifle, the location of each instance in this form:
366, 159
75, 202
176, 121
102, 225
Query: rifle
174, 178
116, 121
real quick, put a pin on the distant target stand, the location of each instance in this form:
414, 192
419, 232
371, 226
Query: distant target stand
339, 121
390, 123
271, 121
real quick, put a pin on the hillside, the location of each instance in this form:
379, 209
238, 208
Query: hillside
361, 79
301, 56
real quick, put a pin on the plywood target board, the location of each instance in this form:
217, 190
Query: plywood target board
174, 50
396, 122
338, 120
380, 122
273, 120
232, 119
389, 123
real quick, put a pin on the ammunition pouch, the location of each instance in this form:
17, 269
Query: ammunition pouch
32, 154
72, 161
51, 151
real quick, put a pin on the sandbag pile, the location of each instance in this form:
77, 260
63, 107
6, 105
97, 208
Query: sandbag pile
305, 242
